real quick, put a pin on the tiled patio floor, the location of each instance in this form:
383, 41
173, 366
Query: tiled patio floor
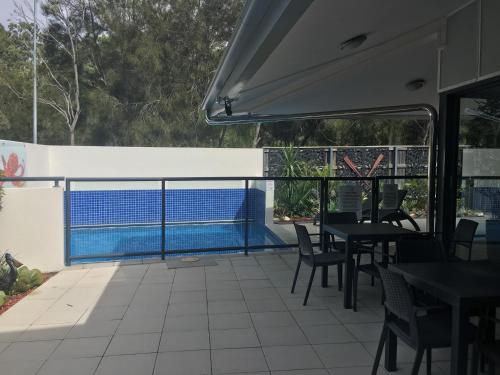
236, 317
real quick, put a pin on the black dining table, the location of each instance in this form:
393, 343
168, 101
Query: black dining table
463, 286
352, 233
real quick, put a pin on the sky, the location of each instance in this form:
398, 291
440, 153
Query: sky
7, 8
6, 11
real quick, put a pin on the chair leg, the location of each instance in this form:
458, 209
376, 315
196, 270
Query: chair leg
309, 285
372, 256
340, 275
296, 275
355, 289
380, 347
491, 367
474, 363
429, 361
418, 361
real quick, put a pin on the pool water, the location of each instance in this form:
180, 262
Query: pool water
118, 241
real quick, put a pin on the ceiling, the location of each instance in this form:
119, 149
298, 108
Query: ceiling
285, 57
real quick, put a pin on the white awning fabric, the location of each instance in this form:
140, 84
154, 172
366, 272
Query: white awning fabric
285, 58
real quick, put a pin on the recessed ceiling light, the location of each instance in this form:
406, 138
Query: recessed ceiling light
354, 42
416, 84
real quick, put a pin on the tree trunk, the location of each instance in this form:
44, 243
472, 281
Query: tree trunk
72, 137
256, 138
221, 136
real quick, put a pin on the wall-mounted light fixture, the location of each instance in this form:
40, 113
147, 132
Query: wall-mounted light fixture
415, 84
354, 42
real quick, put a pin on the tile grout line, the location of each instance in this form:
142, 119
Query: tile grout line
128, 306
251, 319
60, 340
164, 319
208, 323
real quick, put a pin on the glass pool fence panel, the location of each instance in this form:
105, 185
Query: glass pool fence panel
274, 204
205, 215
479, 200
411, 199
110, 220
360, 191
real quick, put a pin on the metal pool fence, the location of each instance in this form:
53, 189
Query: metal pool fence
130, 218
136, 218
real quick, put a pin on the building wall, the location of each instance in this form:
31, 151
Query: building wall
32, 221
32, 227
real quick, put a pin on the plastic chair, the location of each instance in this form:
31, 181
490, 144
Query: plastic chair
486, 347
423, 328
314, 260
419, 249
346, 218
463, 237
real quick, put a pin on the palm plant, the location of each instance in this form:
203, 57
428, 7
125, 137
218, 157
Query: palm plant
297, 198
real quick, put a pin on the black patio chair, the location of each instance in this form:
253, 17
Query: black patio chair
367, 210
347, 218
423, 248
314, 260
423, 328
485, 346
463, 238
397, 217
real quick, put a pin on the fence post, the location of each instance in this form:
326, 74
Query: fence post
323, 208
375, 195
246, 216
67, 221
163, 219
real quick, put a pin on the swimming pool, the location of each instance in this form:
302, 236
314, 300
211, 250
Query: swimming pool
115, 242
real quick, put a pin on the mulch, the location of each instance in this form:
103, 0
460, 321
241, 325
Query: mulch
12, 300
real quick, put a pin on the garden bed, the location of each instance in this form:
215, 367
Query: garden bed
12, 300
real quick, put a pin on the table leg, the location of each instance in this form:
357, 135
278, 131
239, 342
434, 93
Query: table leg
391, 351
460, 319
348, 274
324, 248
385, 252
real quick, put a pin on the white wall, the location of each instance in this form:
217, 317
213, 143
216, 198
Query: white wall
32, 227
88, 161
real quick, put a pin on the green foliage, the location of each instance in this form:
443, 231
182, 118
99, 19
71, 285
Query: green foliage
3, 298
416, 198
26, 279
36, 278
297, 198
144, 67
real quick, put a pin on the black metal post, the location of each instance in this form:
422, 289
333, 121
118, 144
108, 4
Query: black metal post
375, 195
163, 220
323, 204
67, 221
246, 216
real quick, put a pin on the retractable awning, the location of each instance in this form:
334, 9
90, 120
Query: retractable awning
288, 58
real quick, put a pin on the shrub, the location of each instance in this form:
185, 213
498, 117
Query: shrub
3, 298
297, 198
36, 278
26, 279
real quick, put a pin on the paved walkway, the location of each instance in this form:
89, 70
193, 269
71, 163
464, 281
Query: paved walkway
236, 317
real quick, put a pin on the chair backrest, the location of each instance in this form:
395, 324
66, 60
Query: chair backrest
464, 234
398, 299
341, 218
305, 244
421, 249
401, 196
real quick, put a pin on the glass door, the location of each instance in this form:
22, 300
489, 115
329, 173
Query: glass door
478, 197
